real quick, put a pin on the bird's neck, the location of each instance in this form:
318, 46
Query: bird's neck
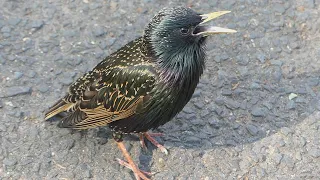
177, 65
182, 67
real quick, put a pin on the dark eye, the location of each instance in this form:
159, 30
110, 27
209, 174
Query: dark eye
184, 31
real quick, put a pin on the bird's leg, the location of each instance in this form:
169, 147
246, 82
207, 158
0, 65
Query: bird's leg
143, 145
130, 164
153, 141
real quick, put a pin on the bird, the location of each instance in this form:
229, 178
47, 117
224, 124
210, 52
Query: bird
145, 83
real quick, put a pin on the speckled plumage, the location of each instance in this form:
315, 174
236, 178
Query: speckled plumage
145, 83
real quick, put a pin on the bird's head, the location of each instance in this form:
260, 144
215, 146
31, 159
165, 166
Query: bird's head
175, 37
177, 29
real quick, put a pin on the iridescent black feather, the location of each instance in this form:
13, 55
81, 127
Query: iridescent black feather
142, 85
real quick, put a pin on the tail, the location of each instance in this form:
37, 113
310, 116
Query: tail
57, 108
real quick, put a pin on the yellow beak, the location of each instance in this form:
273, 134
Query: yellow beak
213, 29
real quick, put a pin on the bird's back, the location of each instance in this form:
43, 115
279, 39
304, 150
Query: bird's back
114, 90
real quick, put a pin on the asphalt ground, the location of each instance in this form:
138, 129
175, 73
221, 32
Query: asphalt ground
254, 115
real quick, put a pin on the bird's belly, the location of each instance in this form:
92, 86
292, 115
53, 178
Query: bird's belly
154, 116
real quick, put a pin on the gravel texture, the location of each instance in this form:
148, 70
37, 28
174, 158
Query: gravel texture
242, 122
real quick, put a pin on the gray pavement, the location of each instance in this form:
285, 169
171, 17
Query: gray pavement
255, 114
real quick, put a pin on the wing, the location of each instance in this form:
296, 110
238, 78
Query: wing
116, 94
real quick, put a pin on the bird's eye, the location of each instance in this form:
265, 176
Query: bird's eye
184, 31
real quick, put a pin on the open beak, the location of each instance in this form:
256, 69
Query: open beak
210, 30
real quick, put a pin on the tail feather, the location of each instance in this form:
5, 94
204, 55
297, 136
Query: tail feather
57, 108
72, 119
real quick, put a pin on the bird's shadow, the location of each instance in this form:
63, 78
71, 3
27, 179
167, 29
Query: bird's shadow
229, 116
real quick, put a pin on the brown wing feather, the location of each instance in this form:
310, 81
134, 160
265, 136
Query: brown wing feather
111, 99
60, 106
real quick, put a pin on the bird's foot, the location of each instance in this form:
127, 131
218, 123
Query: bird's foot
150, 136
131, 165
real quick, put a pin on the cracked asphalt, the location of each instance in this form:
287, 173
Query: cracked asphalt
254, 115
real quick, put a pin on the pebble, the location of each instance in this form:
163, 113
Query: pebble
261, 57
226, 92
9, 162
277, 74
197, 93
66, 80
43, 88
17, 75
199, 105
255, 85
288, 161
37, 24
314, 152
98, 31
242, 60
276, 62
278, 8
258, 112
291, 105
286, 131
14, 21
252, 129
6, 29
3, 128
188, 110
16, 90
231, 104
277, 157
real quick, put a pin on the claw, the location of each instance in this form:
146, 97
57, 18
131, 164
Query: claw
153, 141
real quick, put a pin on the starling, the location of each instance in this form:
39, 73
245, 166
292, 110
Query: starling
145, 83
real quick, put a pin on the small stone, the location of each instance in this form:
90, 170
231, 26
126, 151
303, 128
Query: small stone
197, 93
31, 74
16, 90
199, 105
258, 112
277, 158
3, 128
261, 57
102, 45
253, 130
188, 110
66, 81
37, 24
6, 29
277, 74
17, 75
232, 104
226, 92
14, 21
242, 60
286, 131
313, 81
288, 161
276, 62
310, 91
279, 8
68, 144
43, 88
255, 85
291, 105
69, 33
204, 113
98, 31
243, 71
111, 41
314, 152
9, 162
219, 101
